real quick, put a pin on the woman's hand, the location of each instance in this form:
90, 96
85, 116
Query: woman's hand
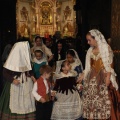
16, 82
42, 100
80, 78
107, 82
53, 93
33, 78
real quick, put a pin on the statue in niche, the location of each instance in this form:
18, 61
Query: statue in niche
24, 14
46, 14
67, 28
24, 30
67, 12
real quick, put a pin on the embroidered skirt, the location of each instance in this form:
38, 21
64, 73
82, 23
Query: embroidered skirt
67, 107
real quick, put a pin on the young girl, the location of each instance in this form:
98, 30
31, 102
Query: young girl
74, 61
100, 95
40, 45
68, 105
17, 101
38, 61
41, 92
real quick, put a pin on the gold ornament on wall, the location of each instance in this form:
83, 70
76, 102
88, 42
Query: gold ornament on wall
46, 14
24, 14
67, 12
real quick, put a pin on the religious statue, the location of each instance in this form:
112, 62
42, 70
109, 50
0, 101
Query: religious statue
24, 30
67, 12
46, 14
24, 14
68, 28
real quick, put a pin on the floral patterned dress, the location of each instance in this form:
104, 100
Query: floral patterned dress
96, 100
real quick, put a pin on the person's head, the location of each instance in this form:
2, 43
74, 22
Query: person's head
46, 71
65, 66
59, 45
70, 56
91, 40
47, 42
38, 54
57, 34
38, 41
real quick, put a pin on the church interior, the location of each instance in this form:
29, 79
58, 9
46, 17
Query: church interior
71, 19
60, 59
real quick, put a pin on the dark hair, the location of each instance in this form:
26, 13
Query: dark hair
45, 68
90, 35
60, 42
71, 52
62, 52
39, 51
62, 65
37, 38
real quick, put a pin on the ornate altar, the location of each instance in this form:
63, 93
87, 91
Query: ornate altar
44, 17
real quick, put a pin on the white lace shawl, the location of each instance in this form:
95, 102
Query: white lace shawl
106, 56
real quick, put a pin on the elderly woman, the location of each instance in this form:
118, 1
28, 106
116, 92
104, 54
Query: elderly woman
100, 87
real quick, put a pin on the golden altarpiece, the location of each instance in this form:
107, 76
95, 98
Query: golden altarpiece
44, 17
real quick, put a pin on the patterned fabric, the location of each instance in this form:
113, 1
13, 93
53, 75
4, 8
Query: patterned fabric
96, 100
67, 107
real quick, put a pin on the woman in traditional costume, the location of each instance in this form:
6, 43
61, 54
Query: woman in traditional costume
68, 105
17, 101
100, 93
40, 45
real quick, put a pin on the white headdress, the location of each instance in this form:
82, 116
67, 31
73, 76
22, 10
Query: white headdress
35, 42
77, 58
19, 58
105, 53
43, 59
58, 63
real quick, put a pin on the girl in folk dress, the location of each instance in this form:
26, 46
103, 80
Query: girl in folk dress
40, 45
74, 61
38, 61
100, 94
17, 101
69, 104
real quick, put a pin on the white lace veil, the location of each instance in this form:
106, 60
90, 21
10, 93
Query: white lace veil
34, 44
105, 53
58, 63
77, 58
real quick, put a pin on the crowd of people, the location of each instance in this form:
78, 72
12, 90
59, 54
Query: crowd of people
48, 81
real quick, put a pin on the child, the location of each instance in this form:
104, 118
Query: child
76, 66
38, 61
68, 105
41, 92
74, 61
39, 44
